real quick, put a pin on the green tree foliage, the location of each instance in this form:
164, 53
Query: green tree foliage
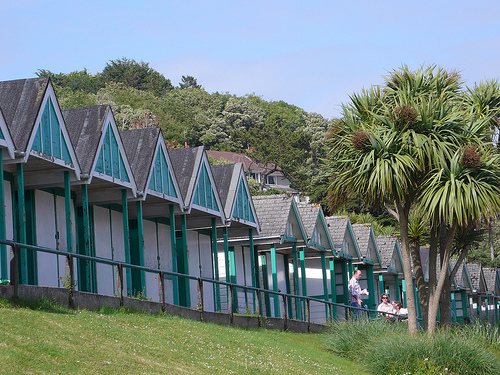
81, 81
276, 132
137, 75
189, 81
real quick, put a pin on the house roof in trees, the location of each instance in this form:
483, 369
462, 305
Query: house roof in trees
36, 126
363, 233
342, 236
235, 195
248, 163
390, 254
151, 166
315, 226
490, 278
196, 181
279, 217
98, 145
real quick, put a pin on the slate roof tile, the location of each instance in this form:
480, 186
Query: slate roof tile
337, 226
474, 270
362, 236
183, 161
140, 145
308, 215
273, 212
386, 246
20, 101
490, 278
84, 125
223, 174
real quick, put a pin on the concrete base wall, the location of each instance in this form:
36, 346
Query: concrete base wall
90, 301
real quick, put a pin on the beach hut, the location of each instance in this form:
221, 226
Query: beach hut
281, 242
37, 179
369, 262
158, 202
196, 227
390, 274
341, 268
478, 301
236, 256
460, 289
492, 281
102, 218
319, 248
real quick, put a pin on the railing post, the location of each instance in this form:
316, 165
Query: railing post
162, 284
230, 302
284, 313
308, 312
200, 295
257, 302
14, 269
330, 310
69, 259
120, 276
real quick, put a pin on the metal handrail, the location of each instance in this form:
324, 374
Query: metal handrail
231, 286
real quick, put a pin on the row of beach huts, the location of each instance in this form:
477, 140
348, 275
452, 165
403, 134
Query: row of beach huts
73, 182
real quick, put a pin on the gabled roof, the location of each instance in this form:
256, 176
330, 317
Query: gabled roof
476, 277
194, 174
341, 233
150, 163
363, 233
28, 105
390, 253
278, 217
461, 278
90, 129
315, 226
490, 277
235, 194
21, 101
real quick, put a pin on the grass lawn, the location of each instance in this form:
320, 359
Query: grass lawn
44, 338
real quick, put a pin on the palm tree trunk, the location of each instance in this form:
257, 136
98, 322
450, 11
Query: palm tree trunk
410, 295
420, 279
445, 303
434, 302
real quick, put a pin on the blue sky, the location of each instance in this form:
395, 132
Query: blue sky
312, 54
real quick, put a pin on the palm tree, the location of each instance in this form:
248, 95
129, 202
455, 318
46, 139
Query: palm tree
457, 196
393, 141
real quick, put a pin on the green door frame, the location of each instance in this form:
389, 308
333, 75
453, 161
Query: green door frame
213, 239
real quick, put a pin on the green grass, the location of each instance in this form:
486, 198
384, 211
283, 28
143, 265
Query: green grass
388, 349
42, 337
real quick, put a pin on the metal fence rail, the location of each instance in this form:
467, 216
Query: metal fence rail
260, 294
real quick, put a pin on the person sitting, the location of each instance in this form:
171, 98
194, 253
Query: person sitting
386, 307
401, 312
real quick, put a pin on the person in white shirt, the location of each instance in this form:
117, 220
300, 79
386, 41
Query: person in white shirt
386, 307
400, 310
355, 292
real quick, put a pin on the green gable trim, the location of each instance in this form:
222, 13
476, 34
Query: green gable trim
204, 194
110, 160
49, 138
161, 177
242, 207
1, 134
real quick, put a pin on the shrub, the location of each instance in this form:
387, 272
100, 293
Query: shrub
388, 349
